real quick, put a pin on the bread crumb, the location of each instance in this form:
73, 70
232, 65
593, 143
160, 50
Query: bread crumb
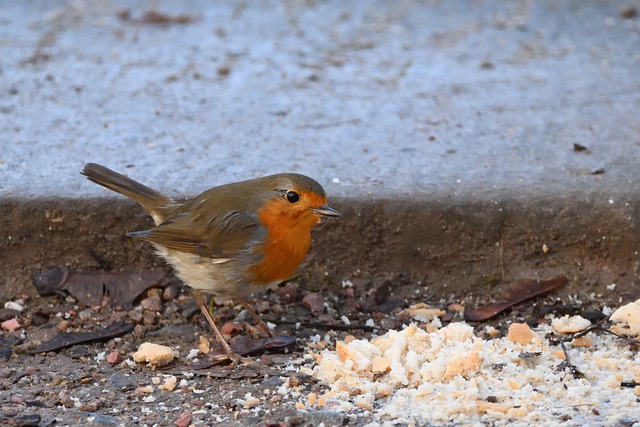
422, 312
154, 354
380, 364
457, 331
520, 333
145, 389
250, 402
570, 324
518, 412
490, 406
311, 400
204, 345
348, 339
514, 384
605, 362
463, 364
492, 332
629, 316
582, 342
169, 383
362, 403
342, 350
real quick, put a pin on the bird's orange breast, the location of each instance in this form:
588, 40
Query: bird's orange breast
288, 240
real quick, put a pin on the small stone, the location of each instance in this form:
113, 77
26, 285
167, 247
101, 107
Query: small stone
150, 319
139, 331
458, 308
92, 406
288, 293
11, 325
263, 307
26, 420
123, 382
153, 303
191, 309
193, 353
154, 292
80, 352
171, 292
5, 352
136, 316
266, 360
63, 325
294, 381
114, 358
85, 314
273, 381
313, 302
7, 313
184, 420
13, 305
170, 308
104, 420
230, 328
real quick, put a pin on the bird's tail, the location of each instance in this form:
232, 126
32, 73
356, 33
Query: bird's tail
156, 203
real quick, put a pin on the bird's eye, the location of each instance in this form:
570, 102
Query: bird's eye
292, 196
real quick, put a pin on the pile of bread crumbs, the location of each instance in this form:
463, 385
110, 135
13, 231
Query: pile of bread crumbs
449, 375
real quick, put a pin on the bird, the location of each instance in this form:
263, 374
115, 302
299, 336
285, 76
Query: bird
232, 240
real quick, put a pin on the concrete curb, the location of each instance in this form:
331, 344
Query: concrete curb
438, 248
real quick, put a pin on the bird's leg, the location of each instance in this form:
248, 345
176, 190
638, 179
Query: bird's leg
212, 305
255, 316
201, 301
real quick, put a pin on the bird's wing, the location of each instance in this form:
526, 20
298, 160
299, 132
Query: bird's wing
218, 236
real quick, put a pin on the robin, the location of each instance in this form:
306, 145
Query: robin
233, 240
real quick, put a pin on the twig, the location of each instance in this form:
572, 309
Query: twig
504, 274
630, 384
598, 328
566, 364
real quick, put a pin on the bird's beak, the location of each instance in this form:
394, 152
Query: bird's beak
326, 211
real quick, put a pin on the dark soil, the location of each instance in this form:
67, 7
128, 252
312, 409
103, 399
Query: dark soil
380, 257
